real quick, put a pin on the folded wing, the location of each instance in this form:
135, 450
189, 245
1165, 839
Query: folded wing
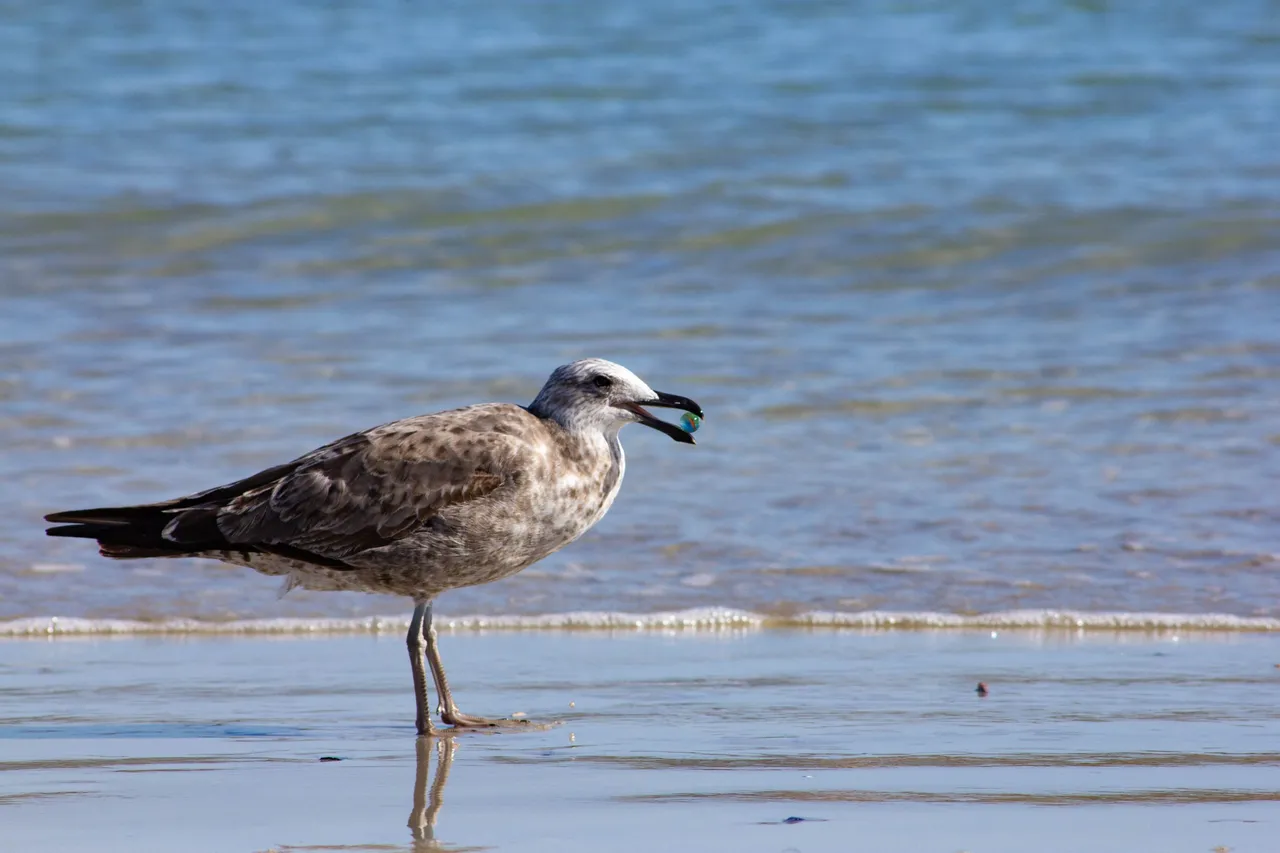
364, 491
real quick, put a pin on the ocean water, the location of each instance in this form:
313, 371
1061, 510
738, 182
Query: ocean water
981, 299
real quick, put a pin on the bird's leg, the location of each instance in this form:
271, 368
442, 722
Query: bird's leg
449, 713
415, 642
426, 804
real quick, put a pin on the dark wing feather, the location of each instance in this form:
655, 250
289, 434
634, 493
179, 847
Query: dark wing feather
124, 515
365, 492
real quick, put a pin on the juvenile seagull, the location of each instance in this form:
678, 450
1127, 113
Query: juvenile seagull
413, 507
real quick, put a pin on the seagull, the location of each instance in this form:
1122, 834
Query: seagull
414, 507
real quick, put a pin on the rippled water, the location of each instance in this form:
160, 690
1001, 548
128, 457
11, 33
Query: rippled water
981, 299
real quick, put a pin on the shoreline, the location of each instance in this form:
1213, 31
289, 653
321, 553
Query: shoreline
697, 619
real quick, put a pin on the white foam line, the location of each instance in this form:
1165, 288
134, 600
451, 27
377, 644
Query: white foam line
701, 619
1042, 619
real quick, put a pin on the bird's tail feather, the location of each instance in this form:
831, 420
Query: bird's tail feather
134, 532
115, 515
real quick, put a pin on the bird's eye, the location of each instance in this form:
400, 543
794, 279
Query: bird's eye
602, 382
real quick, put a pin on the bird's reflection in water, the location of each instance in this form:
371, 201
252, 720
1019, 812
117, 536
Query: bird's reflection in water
428, 789
428, 793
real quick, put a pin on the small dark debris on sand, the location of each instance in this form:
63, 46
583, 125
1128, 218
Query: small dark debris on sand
981, 689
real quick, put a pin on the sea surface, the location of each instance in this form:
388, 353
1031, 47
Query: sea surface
982, 299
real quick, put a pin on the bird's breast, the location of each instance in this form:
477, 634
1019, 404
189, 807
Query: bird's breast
573, 499
585, 494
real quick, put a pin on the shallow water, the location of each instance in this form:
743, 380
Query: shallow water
1106, 742
980, 299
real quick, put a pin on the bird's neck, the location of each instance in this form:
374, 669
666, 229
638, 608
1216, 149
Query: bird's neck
582, 443
612, 479
564, 417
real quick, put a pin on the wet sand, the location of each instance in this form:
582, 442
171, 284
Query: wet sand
664, 741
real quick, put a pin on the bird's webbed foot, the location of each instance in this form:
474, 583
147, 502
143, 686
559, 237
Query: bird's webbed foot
457, 719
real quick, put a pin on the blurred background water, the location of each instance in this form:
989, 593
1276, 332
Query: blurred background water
981, 298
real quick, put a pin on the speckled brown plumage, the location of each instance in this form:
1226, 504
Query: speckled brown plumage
430, 503
414, 507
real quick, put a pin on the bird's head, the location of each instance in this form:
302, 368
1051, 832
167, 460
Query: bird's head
598, 394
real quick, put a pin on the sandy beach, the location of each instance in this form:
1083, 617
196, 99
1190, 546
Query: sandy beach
743, 740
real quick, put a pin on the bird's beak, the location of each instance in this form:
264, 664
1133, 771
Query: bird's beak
664, 401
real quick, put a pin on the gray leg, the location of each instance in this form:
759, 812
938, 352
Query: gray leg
449, 712
426, 804
421, 615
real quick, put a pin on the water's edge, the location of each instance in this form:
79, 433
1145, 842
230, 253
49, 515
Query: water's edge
698, 619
